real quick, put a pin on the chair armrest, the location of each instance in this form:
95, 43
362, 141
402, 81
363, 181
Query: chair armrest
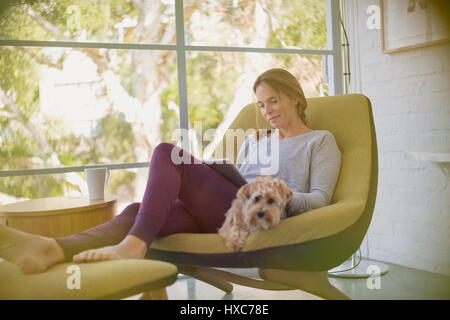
310, 225
307, 226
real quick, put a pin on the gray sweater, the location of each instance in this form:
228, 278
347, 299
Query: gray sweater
308, 163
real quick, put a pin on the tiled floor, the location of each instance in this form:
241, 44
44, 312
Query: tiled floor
399, 283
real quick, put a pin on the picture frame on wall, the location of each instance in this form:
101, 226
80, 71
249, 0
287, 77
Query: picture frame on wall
410, 24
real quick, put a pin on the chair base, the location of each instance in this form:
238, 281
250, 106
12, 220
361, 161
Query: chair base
314, 282
272, 279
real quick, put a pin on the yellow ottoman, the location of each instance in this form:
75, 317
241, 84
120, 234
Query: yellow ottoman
115, 279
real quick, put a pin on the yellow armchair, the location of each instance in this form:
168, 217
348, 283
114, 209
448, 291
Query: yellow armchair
298, 252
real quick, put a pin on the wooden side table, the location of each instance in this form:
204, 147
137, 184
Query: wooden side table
58, 216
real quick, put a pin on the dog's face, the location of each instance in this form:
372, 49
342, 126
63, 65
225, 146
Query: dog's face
263, 200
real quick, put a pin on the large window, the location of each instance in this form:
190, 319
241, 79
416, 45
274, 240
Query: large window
92, 82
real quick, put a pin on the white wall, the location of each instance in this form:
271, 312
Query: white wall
410, 95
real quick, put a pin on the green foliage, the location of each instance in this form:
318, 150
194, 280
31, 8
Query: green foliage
170, 117
14, 145
303, 24
114, 142
211, 81
21, 78
121, 147
96, 17
209, 89
21, 69
38, 186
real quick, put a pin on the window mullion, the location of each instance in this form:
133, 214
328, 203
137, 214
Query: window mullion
181, 68
59, 170
90, 45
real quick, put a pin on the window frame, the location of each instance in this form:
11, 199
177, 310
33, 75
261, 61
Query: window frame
332, 58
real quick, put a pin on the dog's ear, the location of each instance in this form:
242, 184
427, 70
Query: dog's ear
245, 191
284, 190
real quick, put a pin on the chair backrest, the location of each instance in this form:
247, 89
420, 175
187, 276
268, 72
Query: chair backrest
349, 118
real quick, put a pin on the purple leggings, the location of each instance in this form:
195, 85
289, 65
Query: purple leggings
179, 198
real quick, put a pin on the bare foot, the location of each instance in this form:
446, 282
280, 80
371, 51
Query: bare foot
130, 248
32, 253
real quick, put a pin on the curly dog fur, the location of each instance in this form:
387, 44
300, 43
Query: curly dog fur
259, 204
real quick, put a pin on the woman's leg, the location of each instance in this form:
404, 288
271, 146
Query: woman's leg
106, 234
106, 241
204, 195
32, 253
179, 220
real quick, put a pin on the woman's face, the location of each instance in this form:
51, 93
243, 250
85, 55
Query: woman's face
278, 108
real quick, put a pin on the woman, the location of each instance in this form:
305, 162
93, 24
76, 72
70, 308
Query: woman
309, 164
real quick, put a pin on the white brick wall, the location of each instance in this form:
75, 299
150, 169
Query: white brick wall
410, 95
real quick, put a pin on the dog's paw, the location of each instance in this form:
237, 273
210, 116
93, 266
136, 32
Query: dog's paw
236, 239
235, 245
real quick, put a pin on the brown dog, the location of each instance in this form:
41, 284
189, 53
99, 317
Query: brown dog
259, 204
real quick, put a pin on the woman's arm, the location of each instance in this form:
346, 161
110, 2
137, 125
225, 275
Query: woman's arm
324, 173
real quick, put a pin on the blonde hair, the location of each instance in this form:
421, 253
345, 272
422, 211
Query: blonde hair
281, 80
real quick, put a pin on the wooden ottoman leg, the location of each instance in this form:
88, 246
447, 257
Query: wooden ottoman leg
198, 274
159, 294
